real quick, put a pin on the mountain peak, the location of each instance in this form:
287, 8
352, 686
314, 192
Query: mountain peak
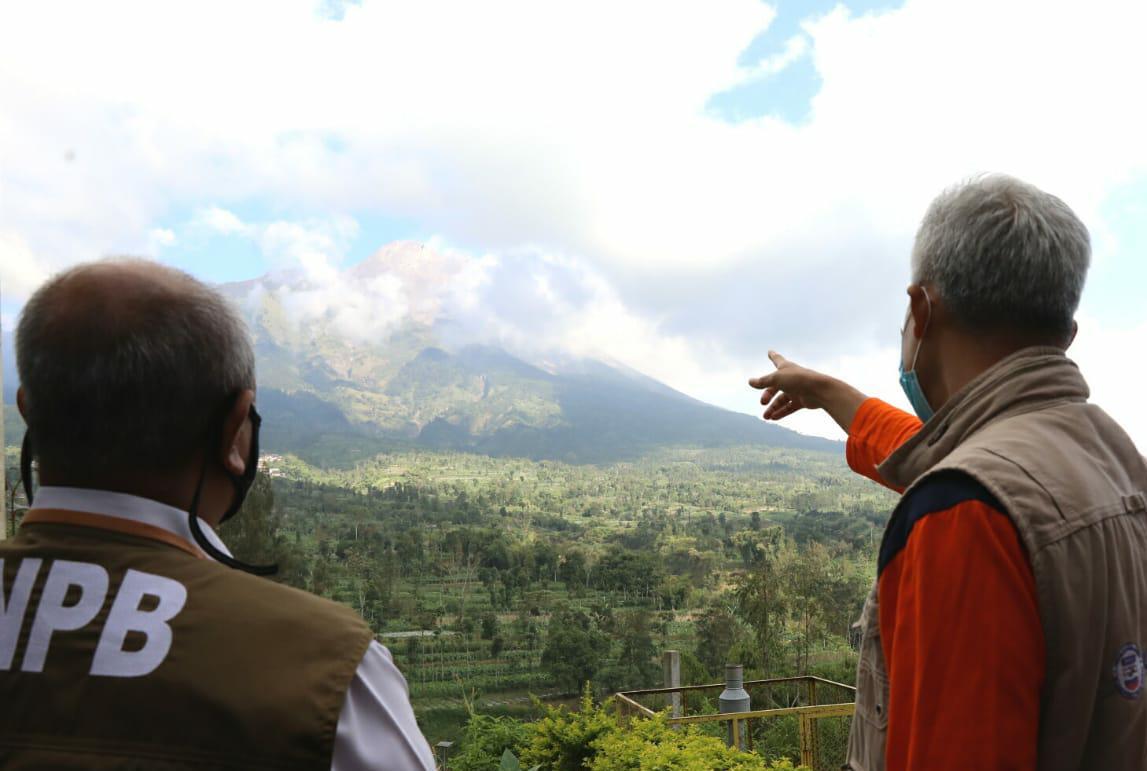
409, 260
421, 271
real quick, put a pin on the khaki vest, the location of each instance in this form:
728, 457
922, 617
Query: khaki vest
126, 652
1075, 487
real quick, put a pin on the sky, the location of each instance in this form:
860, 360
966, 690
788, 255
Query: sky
676, 186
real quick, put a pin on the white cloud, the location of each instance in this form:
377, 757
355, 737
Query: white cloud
20, 270
308, 277
580, 128
1111, 358
795, 48
575, 131
220, 220
159, 239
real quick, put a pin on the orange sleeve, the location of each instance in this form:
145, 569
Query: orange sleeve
962, 640
877, 430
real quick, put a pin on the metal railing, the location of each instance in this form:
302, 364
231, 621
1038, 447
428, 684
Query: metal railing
821, 710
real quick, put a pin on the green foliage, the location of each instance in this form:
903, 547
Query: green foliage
563, 740
593, 738
795, 598
718, 630
257, 533
510, 763
486, 740
504, 577
652, 745
575, 646
635, 665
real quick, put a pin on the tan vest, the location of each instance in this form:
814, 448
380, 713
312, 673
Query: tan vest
121, 651
1075, 487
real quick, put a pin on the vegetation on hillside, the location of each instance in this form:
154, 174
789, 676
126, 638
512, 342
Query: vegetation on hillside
495, 579
505, 577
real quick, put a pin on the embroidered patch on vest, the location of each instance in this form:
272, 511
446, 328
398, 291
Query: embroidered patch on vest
1128, 671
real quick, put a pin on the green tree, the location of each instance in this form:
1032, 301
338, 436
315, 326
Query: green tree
760, 601
718, 630
635, 665
489, 626
574, 649
253, 534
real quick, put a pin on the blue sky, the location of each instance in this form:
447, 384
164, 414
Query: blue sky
787, 94
682, 186
225, 257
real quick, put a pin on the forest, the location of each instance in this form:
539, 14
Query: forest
503, 586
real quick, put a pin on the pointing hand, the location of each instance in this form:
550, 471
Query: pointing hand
788, 389
792, 387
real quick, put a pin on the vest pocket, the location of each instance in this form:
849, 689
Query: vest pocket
870, 722
872, 694
871, 674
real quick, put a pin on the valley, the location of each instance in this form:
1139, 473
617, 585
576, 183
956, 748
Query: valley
514, 523
491, 579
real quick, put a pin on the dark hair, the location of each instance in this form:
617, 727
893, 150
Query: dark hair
127, 364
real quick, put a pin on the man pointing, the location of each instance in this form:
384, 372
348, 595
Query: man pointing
129, 636
1007, 625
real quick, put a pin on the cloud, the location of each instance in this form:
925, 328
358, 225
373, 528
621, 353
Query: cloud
308, 279
1110, 357
159, 239
20, 270
795, 47
219, 220
578, 132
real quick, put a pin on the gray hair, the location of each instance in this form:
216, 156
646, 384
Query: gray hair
128, 364
1003, 254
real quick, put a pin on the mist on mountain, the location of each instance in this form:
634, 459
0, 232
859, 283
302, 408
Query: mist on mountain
421, 347
415, 347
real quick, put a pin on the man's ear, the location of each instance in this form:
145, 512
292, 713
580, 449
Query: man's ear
1074, 332
21, 404
921, 306
236, 441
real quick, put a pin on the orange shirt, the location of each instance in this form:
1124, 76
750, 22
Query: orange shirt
959, 619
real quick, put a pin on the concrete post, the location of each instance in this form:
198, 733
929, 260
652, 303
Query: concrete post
671, 667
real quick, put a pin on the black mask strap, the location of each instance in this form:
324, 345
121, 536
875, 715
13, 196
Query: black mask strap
242, 484
26, 467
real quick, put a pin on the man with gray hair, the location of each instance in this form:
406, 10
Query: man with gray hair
1007, 624
129, 635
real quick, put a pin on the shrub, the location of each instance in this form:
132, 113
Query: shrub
592, 739
485, 741
652, 745
563, 740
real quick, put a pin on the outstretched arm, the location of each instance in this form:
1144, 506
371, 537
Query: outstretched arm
875, 429
793, 387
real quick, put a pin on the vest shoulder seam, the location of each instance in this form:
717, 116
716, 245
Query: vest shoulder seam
934, 493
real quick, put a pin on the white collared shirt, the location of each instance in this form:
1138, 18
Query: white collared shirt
376, 729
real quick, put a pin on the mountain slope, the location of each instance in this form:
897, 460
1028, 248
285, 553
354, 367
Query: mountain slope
341, 380
405, 387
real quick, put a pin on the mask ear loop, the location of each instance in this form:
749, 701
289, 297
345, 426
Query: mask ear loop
209, 548
26, 466
920, 342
